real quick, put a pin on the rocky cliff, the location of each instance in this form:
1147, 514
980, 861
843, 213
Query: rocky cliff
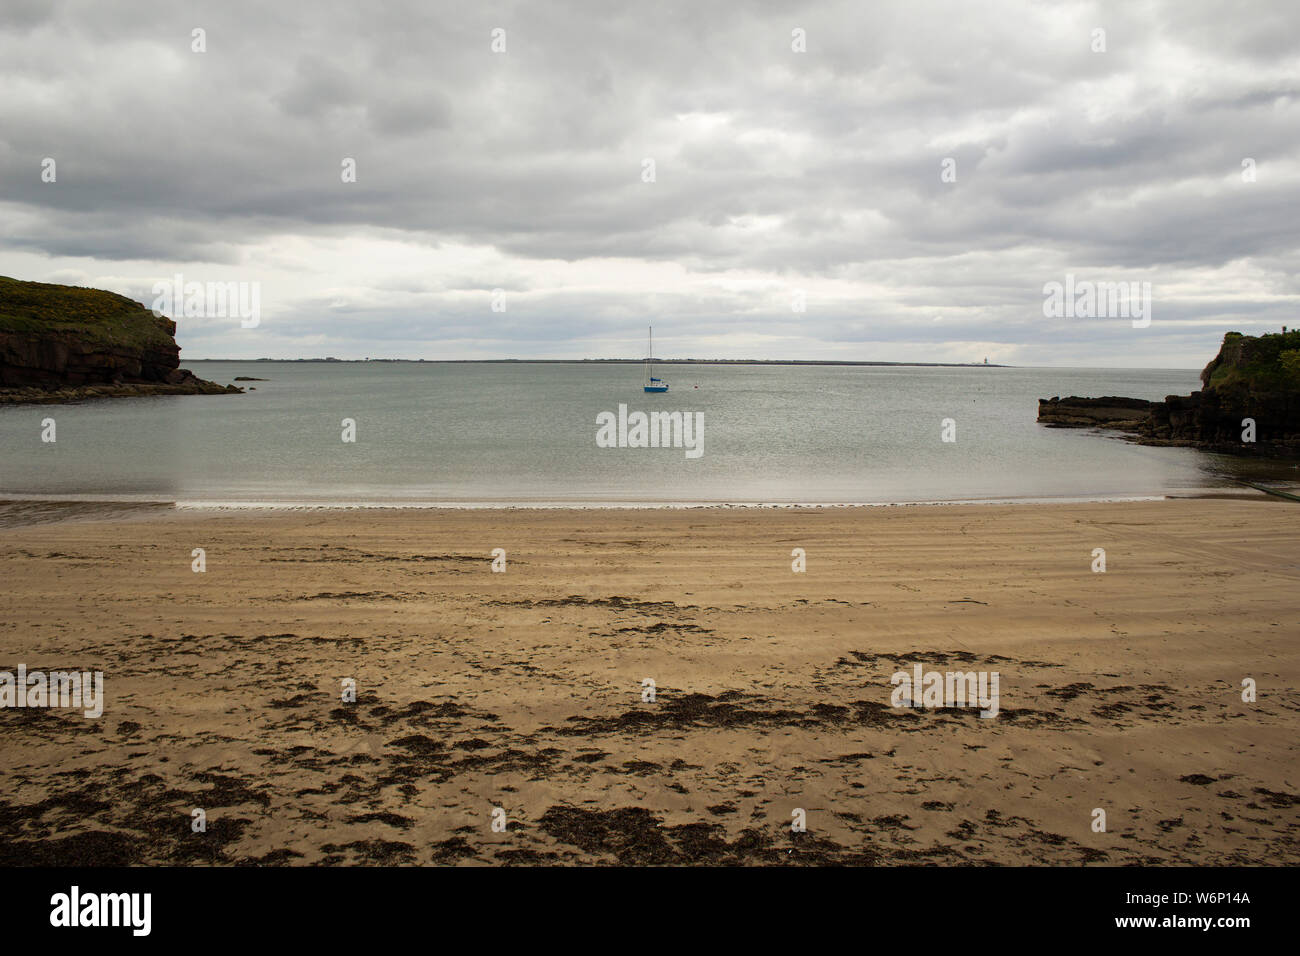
1252, 377
62, 342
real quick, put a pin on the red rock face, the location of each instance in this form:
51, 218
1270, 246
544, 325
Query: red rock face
55, 359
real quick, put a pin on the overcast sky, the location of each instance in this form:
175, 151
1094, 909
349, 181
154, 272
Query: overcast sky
776, 172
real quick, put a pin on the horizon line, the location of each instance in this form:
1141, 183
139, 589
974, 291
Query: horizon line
332, 360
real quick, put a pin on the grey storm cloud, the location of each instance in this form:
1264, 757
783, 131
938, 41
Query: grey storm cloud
812, 169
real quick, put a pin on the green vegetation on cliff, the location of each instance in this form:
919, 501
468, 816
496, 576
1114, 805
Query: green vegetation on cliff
1249, 403
95, 317
1271, 360
65, 343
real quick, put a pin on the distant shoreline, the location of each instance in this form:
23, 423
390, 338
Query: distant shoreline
614, 361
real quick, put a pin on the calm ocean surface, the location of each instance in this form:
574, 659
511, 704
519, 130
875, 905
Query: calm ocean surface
526, 434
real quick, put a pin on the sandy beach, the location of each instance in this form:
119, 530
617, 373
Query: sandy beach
523, 690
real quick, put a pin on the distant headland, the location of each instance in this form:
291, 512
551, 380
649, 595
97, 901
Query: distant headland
62, 343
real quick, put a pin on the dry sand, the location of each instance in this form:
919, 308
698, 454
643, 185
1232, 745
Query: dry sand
522, 690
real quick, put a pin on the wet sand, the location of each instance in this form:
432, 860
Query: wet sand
523, 690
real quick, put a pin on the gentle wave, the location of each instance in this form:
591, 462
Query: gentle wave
25, 510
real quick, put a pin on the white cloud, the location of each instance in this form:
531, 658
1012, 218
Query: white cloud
776, 171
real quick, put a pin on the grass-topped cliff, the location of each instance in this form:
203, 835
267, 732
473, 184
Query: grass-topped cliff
93, 315
1271, 360
60, 342
1249, 402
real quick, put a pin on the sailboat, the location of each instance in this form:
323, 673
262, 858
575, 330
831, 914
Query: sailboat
652, 384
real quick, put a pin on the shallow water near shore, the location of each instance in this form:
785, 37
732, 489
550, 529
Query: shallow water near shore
509, 433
